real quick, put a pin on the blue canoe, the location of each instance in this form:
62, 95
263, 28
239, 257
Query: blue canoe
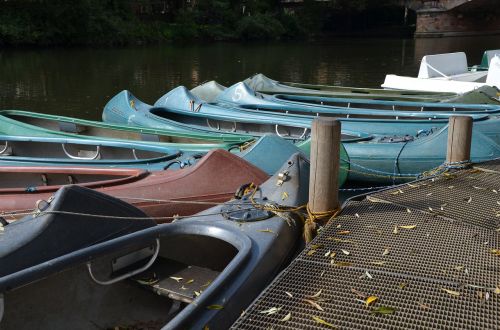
200, 272
242, 94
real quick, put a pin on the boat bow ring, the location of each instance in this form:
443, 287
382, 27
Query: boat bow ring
129, 274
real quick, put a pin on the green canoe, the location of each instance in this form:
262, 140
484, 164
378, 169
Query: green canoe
16, 122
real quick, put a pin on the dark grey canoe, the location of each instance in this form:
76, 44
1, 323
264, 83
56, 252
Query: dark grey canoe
196, 272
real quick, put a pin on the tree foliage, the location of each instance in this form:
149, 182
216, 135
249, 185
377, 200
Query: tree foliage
49, 22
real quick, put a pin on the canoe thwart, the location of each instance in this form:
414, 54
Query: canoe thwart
70, 127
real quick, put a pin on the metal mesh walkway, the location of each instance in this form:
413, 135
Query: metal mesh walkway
425, 250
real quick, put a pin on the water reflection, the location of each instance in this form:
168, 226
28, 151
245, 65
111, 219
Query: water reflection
78, 82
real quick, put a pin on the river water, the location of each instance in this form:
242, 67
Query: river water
78, 82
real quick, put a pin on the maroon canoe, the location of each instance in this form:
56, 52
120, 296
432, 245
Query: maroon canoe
215, 178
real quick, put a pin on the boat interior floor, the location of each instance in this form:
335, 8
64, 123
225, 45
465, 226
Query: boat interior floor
186, 265
28, 179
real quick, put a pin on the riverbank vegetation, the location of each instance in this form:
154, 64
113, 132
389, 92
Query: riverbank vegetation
122, 22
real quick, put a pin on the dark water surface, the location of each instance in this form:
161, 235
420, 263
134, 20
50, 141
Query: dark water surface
78, 82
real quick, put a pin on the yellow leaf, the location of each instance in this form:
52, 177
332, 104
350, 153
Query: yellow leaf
383, 310
215, 307
321, 321
197, 293
343, 232
316, 295
177, 279
497, 290
287, 317
378, 263
395, 231
403, 285
314, 304
341, 263
386, 252
311, 252
345, 252
289, 294
267, 230
495, 252
424, 306
408, 226
284, 195
453, 293
190, 281
408, 210
271, 311
370, 300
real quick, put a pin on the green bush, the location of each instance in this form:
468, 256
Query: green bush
260, 27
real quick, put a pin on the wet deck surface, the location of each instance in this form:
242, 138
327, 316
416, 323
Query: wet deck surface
426, 250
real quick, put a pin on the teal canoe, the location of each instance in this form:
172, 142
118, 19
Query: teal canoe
391, 160
263, 84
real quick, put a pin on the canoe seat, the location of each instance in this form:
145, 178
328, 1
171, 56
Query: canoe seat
176, 280
70, 127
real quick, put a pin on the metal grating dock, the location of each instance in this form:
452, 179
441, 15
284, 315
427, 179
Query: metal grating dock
424, 249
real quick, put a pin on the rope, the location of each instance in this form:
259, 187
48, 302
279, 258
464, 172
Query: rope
310, 221
396, 163
103, 216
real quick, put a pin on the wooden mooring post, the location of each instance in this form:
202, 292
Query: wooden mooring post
325, 159
459, 139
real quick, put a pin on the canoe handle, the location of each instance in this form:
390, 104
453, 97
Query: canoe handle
218, 126
283, 136
92, 157
129, 274
5, 149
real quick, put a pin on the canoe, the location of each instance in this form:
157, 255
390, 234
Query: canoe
36, 239
60, 151
445, 79
16, 122
242, 95
366, 126
396, 159
213, 179
191, 113
263, 84
20, 122
195, 273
